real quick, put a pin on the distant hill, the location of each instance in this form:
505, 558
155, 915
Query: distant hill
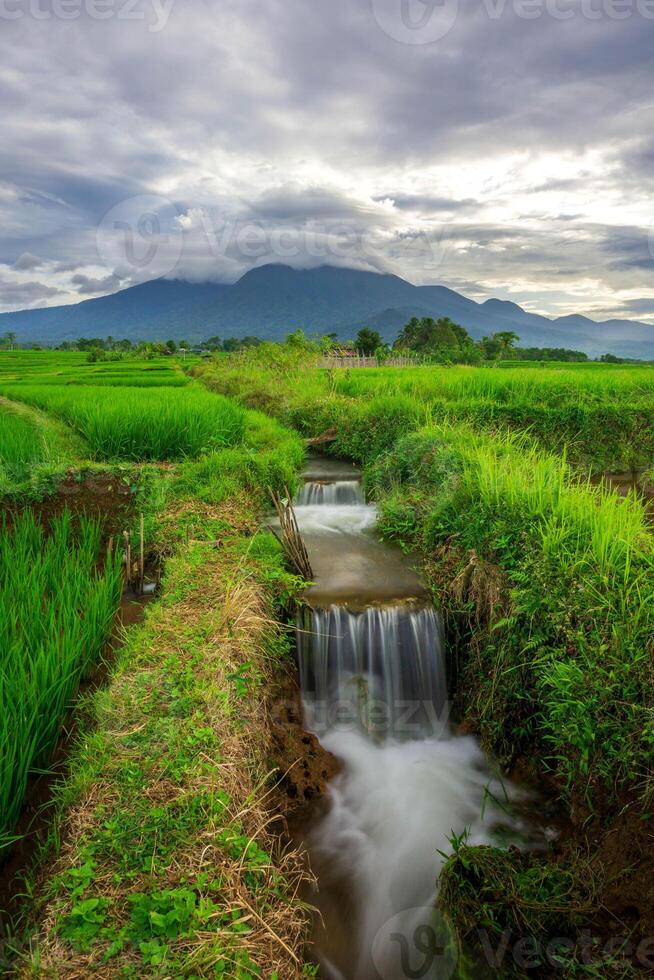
273, 300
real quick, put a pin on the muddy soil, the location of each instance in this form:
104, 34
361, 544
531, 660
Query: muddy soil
625, 859
305, 767
105, 496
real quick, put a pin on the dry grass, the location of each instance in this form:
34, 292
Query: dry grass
483, 586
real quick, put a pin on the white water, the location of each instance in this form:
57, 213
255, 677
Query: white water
393, 809
343, 492
380, 670
374, 690
335, 519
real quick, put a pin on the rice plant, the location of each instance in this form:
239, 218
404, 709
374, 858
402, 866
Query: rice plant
74, 368
21, 447
56, 612
140, 424
549, 386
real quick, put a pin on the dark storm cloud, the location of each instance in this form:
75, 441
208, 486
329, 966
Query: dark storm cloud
639, 308
628, 248
292, 112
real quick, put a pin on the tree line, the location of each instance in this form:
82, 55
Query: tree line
424, 338
444, 341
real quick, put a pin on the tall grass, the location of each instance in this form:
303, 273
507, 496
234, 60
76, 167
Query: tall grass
602, 416
56, 612
550, 387
140, 424
565, 675
21, 447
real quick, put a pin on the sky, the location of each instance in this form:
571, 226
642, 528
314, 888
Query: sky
499, 147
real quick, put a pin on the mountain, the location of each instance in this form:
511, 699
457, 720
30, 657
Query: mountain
273, 300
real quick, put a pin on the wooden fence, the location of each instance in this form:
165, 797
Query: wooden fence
364, 362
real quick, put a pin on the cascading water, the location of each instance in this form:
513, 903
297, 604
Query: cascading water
380, 668
343, 492
374, 690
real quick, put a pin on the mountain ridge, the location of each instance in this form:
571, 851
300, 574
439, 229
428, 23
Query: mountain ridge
272, 300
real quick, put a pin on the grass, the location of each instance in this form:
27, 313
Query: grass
169, 866
63, 368
561, 673
32, 446
506, 904
22, 447
137, 424
170, 869
602, 419
551, 386
600, 416
547, 586
56, 612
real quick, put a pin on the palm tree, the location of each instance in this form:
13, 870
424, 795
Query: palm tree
507, 340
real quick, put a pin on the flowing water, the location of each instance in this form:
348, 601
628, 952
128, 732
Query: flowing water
339, 492
372, 676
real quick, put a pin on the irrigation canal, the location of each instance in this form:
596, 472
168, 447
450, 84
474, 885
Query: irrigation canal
372, 675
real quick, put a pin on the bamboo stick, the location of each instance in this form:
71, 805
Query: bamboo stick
128, 559
142, 557
291, 537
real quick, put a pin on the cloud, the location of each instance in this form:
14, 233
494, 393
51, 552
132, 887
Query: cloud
23, 295
513, 155
27, 261
86, 285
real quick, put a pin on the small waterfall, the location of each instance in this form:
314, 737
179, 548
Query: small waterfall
374, 691
341, 492
380, 670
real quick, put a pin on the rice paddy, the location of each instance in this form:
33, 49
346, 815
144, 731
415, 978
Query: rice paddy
544, 579
551, 386
74, 368
56, 612
137, 424
22, 446
601, 417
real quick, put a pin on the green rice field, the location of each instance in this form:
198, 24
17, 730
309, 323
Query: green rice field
601, 417
56, 612
122, 422
136, 410
492, 480
74, 368
22, 446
